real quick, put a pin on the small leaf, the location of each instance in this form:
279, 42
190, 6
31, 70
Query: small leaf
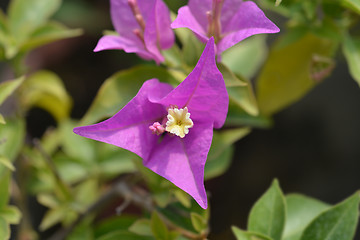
198, 221
351, 50
8, 87
240, 91
52, 217
337, 223
11, 214
286, 78
158, 227
301, 210
141, 227
47, 33
238, 117
4, 189
183, 197
246, 57
277, 3
243, 235
192, 50
120, 88
352, 5
45, 89
221, 151
12, 136
268, 215
26, 15
112, 224
76, 146
2, 120
7, 163
4, 229
121, 234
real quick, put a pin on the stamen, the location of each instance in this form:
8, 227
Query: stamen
157, 128
179, 121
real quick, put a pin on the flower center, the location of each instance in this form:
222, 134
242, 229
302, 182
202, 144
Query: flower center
179, 121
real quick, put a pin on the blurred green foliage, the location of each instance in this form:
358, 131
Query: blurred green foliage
78, 179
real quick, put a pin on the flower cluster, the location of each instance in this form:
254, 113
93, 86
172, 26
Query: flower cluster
170, 128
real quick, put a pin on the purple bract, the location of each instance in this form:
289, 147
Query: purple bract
228, 21
143, 27
172, 129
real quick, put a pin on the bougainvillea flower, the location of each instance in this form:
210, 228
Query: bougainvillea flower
143, 27
228, 21
171, 129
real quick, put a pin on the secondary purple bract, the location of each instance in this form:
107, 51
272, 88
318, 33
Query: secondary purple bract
181, 160
143, 27
228, 21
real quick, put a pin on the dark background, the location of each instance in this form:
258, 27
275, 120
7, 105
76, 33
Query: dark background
312, 147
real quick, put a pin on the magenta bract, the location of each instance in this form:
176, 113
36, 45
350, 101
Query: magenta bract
201, 101
228, 21
143, 27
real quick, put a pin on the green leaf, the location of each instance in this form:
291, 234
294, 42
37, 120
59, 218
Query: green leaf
291, 71
4, 229
199, 222
141, 227
221, 151
301, 210
12, 136
183, 197
243, 235
113, 161
4, 189
337, 223
238, 117
268, 215
47, 33
158, 227
240, 91
3, 29
52, 217
351, 50
8, 87
112, 224
7, 163
11, 214
83, 230
246, 57
352, 5
27, 15
121, 234
192, 50
180, 216
86, 192
45, 89
75, 146
2, 119
120, 88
